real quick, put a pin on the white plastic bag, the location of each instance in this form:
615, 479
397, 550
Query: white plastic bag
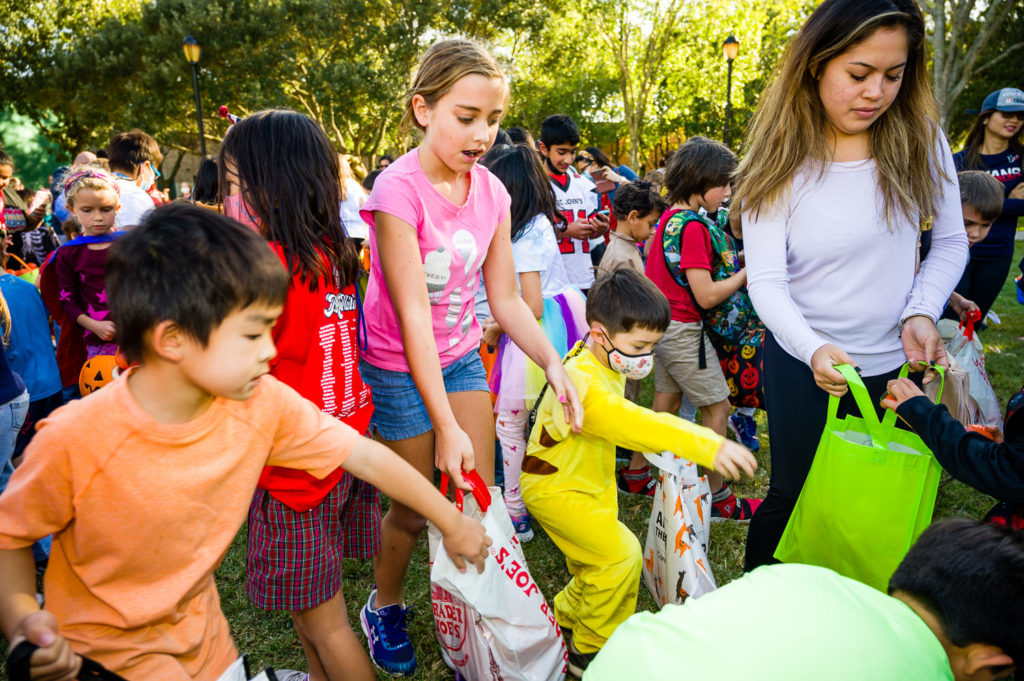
239, 671
676, 549
495, 624
985, 410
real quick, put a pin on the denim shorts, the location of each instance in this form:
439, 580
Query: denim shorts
398, 410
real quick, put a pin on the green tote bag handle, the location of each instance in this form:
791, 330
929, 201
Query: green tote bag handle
863, 400
876, 429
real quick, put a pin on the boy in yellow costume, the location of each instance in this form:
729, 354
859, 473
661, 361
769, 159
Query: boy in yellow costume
568, 479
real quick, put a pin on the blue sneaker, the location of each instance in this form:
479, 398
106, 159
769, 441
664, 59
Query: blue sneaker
523, 529
1020, 288
745, 429
386, 634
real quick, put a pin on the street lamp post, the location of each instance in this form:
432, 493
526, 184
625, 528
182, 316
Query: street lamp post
730, 48
192, 50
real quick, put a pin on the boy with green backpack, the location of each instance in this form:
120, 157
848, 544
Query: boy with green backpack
694, 263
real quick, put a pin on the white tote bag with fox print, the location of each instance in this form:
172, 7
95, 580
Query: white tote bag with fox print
676, 563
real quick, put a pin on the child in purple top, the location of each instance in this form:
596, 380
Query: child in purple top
92, 198
437, 220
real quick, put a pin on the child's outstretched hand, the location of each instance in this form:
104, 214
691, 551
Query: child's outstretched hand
559, 381
733, 458
899, 391
54, 661
466, 540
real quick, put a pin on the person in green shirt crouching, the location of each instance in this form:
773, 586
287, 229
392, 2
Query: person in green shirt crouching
955, 611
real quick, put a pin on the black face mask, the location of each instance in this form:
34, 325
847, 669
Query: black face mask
553, 169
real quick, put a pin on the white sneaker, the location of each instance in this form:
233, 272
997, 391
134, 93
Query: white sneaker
290, 675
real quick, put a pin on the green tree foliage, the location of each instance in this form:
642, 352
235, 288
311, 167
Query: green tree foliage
665, 61
1000, 67
344, 62
557, 69
36, 37
961, 30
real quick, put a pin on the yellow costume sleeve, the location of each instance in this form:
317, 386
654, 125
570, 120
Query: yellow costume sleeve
609, 416
615, 419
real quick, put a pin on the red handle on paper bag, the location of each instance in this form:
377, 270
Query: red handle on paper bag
477, 485
968, 326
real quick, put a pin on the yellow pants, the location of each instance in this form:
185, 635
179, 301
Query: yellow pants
604, 559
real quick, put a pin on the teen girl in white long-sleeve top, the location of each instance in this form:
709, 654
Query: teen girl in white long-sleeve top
844, 163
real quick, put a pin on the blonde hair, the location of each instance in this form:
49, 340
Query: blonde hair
788, 128
443, 65
5, 319
88, 178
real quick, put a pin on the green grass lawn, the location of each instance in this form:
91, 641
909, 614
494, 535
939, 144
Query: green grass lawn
270, 639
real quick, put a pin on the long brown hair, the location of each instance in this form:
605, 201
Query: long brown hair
976, 137
290, 179
788, 128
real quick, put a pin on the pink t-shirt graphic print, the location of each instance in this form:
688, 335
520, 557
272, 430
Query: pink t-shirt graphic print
453, 241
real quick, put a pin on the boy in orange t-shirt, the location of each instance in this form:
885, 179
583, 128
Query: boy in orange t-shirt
145, 483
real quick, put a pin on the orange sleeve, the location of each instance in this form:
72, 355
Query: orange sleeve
39, 499
305, 438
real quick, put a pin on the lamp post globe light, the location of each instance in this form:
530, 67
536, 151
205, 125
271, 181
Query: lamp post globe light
730, 48
190, 46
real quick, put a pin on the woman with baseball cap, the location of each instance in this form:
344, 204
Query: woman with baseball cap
994, 145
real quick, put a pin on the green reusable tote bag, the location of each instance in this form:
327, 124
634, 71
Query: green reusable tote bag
869, 494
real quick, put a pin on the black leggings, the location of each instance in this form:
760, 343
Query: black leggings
797, 409
982, 280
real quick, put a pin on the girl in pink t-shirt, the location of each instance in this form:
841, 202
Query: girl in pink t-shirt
436, 220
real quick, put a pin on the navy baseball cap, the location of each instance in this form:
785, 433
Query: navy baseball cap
1007, 99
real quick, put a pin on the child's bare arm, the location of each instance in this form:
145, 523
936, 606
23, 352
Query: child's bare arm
515, 317
711, 293
962, 306
385, 470
102, 328
21, 619
398, 250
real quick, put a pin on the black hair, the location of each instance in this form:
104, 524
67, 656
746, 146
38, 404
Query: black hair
5, 159
519, 169
519, 135
971, 577
290, 179
698, 165
640, 196
982, 192
370, 178
559, 129
502, 138
189, 265
129, 150
385, 156
623, 300
206, 186
599, 156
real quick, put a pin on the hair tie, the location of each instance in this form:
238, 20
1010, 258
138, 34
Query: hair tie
80, 175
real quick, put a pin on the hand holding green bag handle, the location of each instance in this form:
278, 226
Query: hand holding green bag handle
869, 494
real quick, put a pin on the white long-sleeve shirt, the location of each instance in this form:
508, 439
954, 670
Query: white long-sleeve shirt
823, 266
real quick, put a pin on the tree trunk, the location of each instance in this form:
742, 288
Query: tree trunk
955, 58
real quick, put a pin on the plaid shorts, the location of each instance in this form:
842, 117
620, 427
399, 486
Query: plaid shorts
294, 559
